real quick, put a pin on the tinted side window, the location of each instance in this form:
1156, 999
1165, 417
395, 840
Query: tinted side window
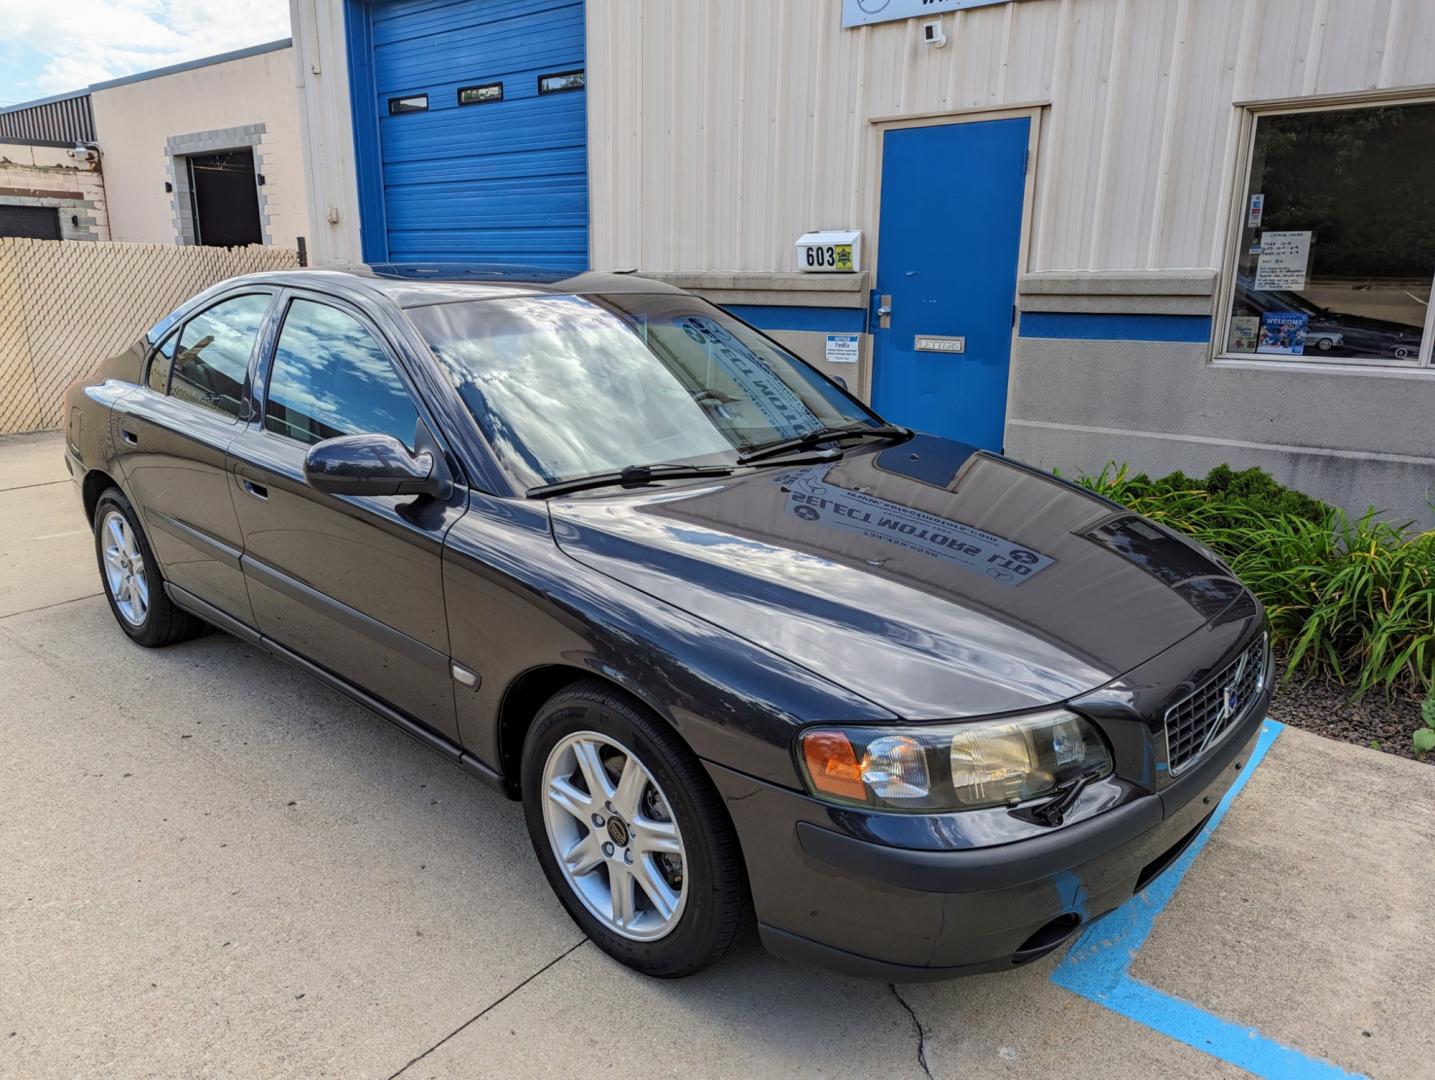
159, 364
330, 377
214, 349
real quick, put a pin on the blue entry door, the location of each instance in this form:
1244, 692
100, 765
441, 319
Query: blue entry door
948, 244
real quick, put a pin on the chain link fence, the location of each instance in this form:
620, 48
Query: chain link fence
64, 307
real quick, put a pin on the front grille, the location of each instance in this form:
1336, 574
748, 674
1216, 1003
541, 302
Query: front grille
1198, 722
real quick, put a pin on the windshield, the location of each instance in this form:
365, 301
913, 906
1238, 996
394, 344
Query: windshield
570, 386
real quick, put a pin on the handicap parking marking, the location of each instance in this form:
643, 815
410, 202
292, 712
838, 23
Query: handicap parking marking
1098, 968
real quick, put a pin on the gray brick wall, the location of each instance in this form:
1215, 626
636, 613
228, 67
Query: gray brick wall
216, 140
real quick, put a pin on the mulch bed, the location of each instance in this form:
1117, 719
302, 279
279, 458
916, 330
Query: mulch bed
1326, 709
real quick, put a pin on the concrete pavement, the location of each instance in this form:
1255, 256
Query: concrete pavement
215, 866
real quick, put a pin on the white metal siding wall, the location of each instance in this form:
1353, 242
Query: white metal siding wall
721, 129
325, 127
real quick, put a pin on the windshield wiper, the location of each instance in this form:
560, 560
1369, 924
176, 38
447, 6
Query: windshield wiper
631, 476
822, 435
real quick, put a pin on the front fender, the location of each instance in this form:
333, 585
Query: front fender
516, 602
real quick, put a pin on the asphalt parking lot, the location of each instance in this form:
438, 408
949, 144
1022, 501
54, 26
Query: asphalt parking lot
215, 866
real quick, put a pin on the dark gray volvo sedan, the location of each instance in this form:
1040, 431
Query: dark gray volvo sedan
743, 649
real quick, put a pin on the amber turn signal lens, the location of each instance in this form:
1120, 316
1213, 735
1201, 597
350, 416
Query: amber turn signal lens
832, 765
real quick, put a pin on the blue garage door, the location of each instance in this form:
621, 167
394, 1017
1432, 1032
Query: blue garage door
482, 131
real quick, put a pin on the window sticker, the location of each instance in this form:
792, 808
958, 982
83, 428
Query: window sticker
1283, 333
1245, 333
1253, 215
1283, 260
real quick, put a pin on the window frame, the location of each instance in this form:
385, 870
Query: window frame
177, 328
542, 92
1423, 364
402, 100
265, 374
154, 351
458, 94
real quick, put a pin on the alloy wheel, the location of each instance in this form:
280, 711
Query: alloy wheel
125, 569
613, 833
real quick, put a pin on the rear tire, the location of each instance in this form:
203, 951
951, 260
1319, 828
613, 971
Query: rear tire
132, 580
649, 866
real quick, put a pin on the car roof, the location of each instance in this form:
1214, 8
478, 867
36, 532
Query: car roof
419, 284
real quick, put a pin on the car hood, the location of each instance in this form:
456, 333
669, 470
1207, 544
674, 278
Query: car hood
933, 579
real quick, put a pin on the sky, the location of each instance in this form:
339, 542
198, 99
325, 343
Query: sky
54, 46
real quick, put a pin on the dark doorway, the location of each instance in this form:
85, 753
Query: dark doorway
225, 199
37, 222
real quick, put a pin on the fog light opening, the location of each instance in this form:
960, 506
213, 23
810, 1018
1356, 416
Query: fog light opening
1047, 938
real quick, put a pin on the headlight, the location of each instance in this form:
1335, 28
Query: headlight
935, 768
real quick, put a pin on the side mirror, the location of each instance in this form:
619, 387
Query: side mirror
375, 465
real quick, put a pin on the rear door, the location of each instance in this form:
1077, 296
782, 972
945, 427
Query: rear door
171, 436
352, 583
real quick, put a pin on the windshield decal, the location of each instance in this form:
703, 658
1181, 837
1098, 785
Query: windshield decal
812, 499
779, 404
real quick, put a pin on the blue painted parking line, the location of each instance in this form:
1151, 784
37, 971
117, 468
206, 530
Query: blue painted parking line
1098, 967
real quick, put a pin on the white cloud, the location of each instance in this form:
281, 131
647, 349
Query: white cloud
87, 41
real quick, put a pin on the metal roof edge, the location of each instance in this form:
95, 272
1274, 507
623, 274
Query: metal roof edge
156, 73
190, 65
22, 106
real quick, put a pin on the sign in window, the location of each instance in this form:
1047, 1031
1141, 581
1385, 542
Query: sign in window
1336, 251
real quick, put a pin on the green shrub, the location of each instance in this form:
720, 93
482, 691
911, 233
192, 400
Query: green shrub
1424, 737
1350, 600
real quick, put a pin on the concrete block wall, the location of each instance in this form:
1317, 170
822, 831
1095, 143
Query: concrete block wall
215, 140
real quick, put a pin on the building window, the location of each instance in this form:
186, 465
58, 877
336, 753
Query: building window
561, 81
1336, 249
408, 104
480, 95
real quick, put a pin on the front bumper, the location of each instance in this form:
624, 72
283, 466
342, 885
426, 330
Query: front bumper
830, 898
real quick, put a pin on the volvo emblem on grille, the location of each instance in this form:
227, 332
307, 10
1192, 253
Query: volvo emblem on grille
1230, 702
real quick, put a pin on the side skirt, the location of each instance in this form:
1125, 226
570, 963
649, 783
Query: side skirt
422, 732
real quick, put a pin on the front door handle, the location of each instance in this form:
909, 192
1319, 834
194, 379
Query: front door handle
259, 491
129, 436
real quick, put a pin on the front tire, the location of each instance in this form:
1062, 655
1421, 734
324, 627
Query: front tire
631, 833
132, 580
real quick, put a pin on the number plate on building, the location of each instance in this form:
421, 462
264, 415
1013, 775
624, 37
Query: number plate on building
928, 343
835, 251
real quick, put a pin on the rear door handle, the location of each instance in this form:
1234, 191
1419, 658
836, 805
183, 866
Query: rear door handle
259, 491
129, 436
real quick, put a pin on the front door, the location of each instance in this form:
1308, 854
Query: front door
351, 583
948, 246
